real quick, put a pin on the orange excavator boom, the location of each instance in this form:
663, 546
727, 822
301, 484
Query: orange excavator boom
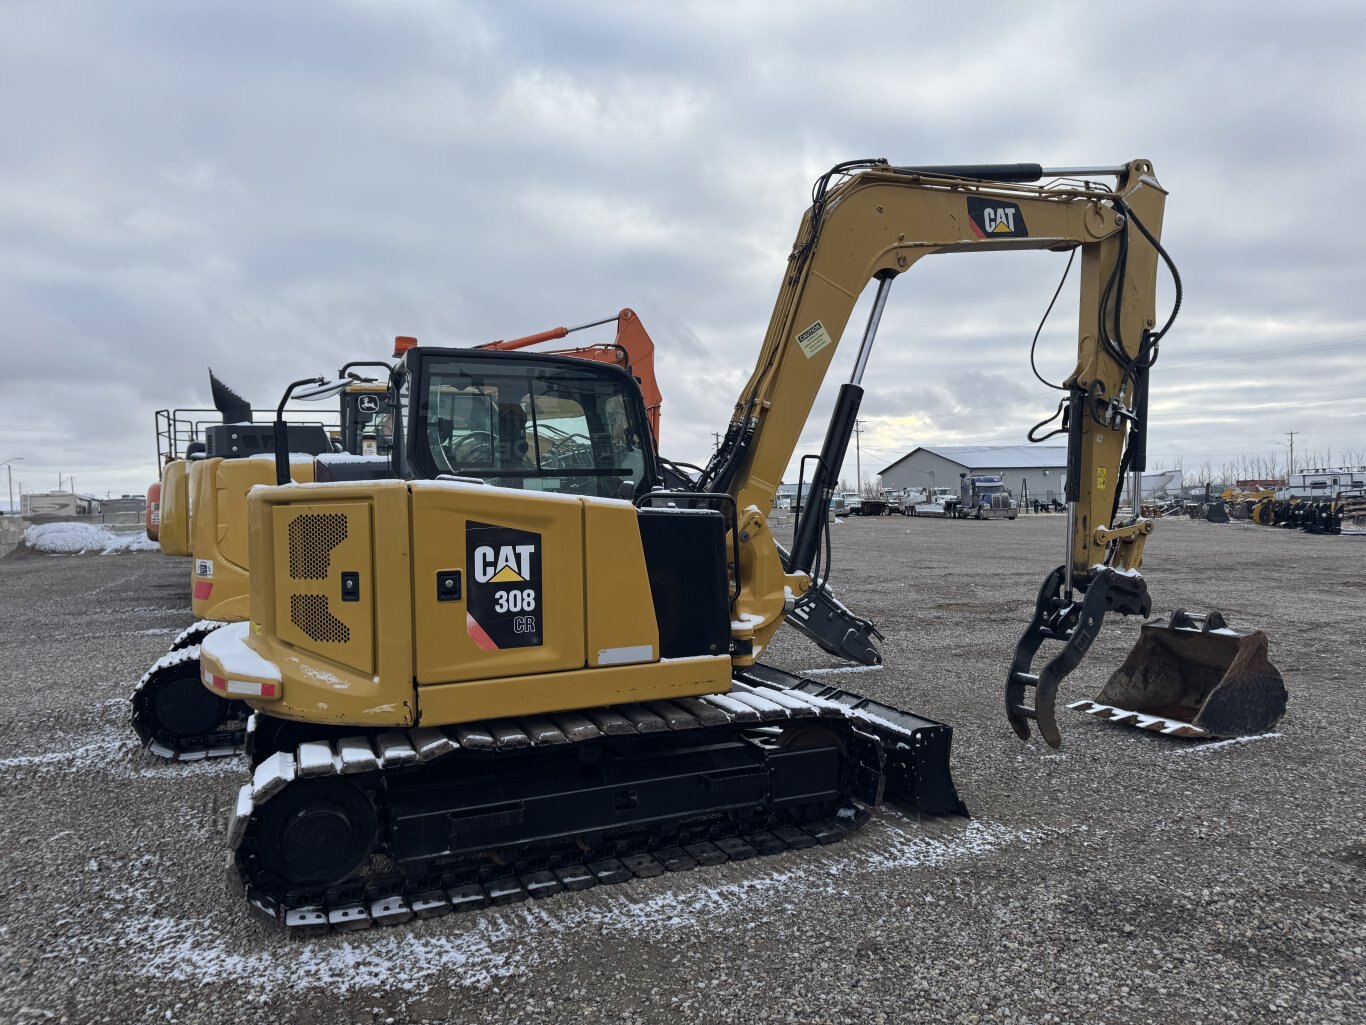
633, 350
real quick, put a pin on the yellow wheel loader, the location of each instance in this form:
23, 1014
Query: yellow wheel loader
526, 665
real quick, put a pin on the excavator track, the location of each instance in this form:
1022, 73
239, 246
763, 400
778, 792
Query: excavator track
195, 633
175, 716
379, 828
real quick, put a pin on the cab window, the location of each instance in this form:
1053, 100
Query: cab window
535, 426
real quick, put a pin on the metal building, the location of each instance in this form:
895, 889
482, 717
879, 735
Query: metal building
1037, 467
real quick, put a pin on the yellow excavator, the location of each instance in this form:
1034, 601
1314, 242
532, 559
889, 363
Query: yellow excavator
210, 469
176, 718
526, 665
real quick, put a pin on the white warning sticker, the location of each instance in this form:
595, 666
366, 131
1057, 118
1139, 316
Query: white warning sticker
814, 339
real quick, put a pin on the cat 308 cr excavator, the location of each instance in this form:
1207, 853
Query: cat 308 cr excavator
176, 718
525, 666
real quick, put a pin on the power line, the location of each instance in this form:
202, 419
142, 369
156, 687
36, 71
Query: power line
1279, 352
1152, 416
1264, 406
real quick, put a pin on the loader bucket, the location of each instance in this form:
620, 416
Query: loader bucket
1193, 676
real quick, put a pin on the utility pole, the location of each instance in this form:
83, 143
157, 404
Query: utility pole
9, 473
858, 459
716, 437
1292, 455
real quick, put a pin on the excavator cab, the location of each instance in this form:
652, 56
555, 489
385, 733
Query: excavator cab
1193, 676
533, 422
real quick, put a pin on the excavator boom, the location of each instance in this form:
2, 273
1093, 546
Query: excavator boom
882, 220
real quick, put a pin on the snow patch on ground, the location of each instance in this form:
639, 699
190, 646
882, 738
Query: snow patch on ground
841, 669
84, 757
78, 538
118, 754
1202, 748
186, 950
476, 950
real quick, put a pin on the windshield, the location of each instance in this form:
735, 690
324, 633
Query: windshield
367, 417
542, 426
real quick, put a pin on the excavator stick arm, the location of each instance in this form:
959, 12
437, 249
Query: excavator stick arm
877, 224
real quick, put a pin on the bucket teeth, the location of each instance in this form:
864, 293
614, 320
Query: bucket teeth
1155, 723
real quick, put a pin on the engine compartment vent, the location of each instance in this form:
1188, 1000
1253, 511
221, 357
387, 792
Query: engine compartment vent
310, 613
312, 538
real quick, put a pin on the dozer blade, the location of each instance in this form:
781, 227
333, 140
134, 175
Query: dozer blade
1194, 676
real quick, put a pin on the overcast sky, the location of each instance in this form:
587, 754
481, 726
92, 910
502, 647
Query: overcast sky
275, 188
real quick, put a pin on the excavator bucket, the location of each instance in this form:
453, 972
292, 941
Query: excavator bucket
1216, 511
1193, 676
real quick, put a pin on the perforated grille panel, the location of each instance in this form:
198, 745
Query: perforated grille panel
312, 537
309, 612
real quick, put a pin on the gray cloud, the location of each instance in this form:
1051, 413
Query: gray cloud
275, 188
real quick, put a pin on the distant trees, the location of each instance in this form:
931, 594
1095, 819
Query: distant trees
1274, 466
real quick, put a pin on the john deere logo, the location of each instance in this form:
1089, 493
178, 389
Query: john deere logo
992, 218
368, 403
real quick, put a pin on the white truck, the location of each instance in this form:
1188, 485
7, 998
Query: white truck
930, 502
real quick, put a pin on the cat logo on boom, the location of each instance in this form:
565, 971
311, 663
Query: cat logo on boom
504, 604
994, 218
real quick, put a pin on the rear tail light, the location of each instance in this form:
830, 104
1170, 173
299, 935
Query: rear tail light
239, 688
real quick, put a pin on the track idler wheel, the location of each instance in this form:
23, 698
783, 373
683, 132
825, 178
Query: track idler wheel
177, 717
174, 712
316, 834
183, 707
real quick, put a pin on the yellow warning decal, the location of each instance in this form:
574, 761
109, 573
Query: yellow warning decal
1100, 476
814, 339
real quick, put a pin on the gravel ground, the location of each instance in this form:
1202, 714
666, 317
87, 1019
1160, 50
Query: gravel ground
1126, 878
